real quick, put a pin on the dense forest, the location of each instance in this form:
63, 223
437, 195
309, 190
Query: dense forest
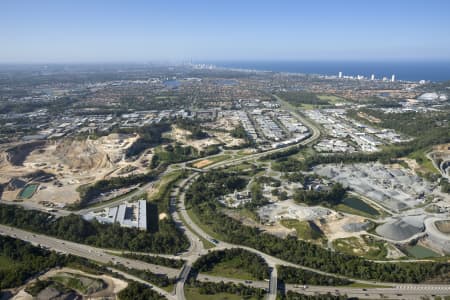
171, 154
139, 291
330, 197
74, 228
202, 195
21, 261
248, 261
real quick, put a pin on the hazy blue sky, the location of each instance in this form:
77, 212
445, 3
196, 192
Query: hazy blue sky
108, 30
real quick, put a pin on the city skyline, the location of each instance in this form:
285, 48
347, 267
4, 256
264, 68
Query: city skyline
114, 31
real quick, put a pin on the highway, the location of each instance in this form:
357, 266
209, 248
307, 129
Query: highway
89, 252
196, 249
416, 290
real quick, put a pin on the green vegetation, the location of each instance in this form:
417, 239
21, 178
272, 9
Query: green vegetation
206, 243
331, 98
302, 98
171, 154
329, 197
365, 246
149, 136
194, 127
202, 195
40, 285
139, 291
445, 186
239, 132
300, 276
356, 206
28, 191
160, 280
429, 129
192, 293
421, 252
92, 191
6, 263
426, 164
212, 160
82, 284
233, 263
196, 290
20, 261
74, 228
306, 230
162, 197
157, 260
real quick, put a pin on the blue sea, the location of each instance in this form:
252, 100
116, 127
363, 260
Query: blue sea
410, 71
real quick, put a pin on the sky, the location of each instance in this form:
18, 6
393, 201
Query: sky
181, 30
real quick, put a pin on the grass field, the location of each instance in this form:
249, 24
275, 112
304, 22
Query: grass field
164, 183
192, 293
425, 164
331, 98
207, 244
204, 227
232, 269
305, 230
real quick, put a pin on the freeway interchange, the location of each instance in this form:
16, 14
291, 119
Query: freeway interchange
195, 234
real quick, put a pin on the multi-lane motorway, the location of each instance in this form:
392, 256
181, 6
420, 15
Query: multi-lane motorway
196, 249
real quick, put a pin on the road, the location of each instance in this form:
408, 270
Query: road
137, 279
196, 249
184, 274
396, 292
89, 252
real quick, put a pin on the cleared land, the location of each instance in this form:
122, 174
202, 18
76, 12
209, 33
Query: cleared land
361, 246
306, 230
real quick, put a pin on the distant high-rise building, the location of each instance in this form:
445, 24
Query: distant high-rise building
372, 77
393, 78
340, 74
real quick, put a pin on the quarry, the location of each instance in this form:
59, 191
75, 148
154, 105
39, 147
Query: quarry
53, 171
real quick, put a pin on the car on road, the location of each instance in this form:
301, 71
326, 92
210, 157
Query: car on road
248, 281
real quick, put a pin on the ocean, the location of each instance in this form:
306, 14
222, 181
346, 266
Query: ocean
410, 71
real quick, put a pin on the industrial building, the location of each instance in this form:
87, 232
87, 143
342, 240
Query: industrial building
128, 214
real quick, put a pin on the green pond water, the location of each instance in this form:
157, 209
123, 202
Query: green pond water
358, 204
28, 191
421, 252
